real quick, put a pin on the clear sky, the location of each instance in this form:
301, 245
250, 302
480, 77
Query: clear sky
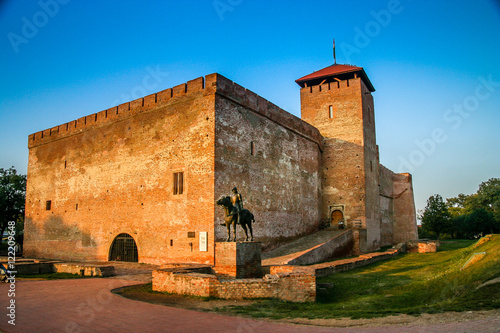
434, 65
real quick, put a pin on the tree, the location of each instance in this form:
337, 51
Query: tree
478, 213
12, 197
488, 197
436, 217
481, 222
459, 205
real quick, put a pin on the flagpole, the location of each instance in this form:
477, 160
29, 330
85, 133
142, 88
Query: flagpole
334, 57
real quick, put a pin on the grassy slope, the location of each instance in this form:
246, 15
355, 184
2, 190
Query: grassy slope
411, 283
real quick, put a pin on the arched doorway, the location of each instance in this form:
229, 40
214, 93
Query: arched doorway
123, 248
337, 218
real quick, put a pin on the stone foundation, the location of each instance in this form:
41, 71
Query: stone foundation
238, 259
294, 287
35, 267
237, 274
422, 246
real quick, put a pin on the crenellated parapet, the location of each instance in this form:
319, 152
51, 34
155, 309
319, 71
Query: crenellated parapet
116, 113
210, 84
263, 107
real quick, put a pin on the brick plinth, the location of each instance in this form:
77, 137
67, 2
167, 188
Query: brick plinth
238, 259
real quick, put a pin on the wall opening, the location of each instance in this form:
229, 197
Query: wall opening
123, 248
178, 183
337, 219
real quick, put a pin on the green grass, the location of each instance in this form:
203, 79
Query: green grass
412, 283
53, 276
455, 244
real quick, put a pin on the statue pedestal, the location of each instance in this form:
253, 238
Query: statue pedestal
238, 259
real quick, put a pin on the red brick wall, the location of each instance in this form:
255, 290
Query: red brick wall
350, 156
293, 287
280, 183
386, 206
112, 172
117, 166
371, 163
398, 215
238, 260
405, 217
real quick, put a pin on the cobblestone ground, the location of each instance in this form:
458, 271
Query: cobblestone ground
87, 305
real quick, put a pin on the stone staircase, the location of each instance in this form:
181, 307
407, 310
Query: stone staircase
314, 248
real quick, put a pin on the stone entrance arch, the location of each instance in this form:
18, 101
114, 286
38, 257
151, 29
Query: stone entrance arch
336, 218
123, 248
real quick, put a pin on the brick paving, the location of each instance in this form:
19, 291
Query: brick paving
86, 305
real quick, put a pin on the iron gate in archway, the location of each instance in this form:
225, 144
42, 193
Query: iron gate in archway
123, 249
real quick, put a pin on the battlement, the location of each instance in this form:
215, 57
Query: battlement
332, 86
263, 107
210, 84
121, 111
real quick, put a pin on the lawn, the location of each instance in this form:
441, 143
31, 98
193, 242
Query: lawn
411, 283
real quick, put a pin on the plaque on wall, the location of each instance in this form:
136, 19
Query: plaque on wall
203, 241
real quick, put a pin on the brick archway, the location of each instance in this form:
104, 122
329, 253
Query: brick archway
123, 248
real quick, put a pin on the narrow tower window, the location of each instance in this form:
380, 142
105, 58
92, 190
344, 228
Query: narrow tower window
48, 205
252, 148
330, 111
178, 183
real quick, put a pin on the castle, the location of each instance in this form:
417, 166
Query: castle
138, 182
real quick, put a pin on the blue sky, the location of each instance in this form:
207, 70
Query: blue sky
434, 65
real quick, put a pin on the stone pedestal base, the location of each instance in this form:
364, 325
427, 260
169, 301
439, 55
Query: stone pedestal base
238, 259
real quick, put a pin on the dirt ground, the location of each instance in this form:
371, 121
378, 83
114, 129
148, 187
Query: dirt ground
403, 319
207, 305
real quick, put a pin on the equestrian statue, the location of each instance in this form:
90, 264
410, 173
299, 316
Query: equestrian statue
235, 214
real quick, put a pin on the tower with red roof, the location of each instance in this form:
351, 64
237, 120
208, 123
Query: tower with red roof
338, 101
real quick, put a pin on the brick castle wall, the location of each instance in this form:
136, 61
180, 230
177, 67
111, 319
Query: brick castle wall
398, 215
350, 155
405, 216
112, 172
273, 158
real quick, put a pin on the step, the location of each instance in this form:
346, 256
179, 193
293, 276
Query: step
307, 250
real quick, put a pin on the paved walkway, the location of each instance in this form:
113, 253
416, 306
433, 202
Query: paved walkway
87, 305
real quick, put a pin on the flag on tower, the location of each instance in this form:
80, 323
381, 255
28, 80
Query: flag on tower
334, 57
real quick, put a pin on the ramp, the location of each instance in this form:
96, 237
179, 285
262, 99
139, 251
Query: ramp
321, 246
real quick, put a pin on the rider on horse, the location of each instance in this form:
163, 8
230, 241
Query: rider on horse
237, 201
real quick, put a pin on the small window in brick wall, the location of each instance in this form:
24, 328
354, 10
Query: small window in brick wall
48, 205
252, 148
178, 183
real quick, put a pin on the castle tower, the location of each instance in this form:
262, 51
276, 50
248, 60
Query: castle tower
338, 101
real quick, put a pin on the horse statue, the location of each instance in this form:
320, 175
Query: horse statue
230, 217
